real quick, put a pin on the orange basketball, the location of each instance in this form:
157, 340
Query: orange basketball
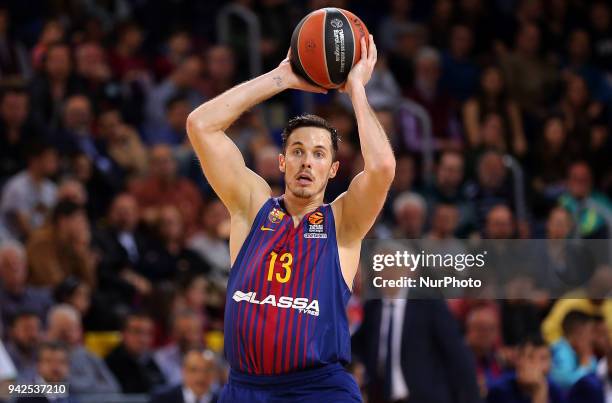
325, 46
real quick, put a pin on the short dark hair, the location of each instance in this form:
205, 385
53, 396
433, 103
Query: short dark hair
51, 346
309, 120
573, 320
533, 340
65, 208
133, 315
21, 314
36, 148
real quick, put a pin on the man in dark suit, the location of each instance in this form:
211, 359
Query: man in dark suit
199, 368
132, 361
414, 353
53, 365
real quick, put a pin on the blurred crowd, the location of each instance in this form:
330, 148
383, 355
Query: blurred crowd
499, 113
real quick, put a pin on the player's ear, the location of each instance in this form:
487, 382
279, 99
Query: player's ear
333, 170
281, 162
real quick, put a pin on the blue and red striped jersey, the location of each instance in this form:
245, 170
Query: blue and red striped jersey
286, 297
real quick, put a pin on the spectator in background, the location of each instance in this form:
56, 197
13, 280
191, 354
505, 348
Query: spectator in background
123, 248
174, 132
51, 87
183, 81
52, 33
600, 18
211, 243
572, 355
73, 191
192, 295
550, 162
88, 373
132, 361
483, 338
62, 248
28, 196
591, 211
529, 382
164, 187
198, 370
531, 78
14, 60
171, 257
52, 367
589, 388
24, 337
493, 97
94, 71
219, 71
75, 293
459, 72
126, 59
186, 335
435, 100
15, 294
392, 23
177, 48
410, 211
122, 143
441, 23
15, 129
402, 181
266, 166
444, 222
407, 42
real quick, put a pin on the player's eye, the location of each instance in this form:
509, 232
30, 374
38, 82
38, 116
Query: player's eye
297, 151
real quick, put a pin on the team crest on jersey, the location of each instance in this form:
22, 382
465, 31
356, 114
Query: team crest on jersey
316, 226
275, 216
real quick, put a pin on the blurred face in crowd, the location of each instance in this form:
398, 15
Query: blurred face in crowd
109, 123
528, 39
531, 357
450, 172
124, 213
196, 293
81, 298
577, 92
428, 71
53, 365
81, 166
580, 181
72, 227
443, 9
66, 328
482, 331
445, 220
213, 216
26, 333
579, 46
177, 115
461, 41
170, 224
308, 161
45, 164
52, 32
559, 224
77, 113
266, 164
91, 62
14, 108
13, 269
404, 174
411, 219
163, 164
179, 44
492, 81
73, 191
188, 72
600, 16
58, 65
198, 371
138, 335
554, 134
491, 171
131, 38
220, 63
493, 132
187, 332
500, 223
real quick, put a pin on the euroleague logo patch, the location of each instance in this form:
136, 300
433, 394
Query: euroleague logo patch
316, 227
275, 216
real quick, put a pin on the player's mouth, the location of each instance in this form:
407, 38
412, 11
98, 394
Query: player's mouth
305, 179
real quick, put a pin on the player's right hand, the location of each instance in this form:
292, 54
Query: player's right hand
293, 80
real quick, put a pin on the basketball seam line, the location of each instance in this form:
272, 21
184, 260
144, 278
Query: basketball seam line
350, 24
325, 48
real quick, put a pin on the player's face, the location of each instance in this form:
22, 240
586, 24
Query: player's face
308, 162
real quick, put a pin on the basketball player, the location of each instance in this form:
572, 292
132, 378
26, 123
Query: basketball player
293, 257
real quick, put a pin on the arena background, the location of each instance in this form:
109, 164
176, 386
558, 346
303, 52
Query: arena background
499, 113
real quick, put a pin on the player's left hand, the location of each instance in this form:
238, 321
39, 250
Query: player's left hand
361, 72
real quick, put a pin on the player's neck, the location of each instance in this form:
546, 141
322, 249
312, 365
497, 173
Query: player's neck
298, 207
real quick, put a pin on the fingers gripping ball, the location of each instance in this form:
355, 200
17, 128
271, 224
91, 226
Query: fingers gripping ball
325, 45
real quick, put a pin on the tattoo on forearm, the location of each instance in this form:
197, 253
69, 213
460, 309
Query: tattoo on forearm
278, 81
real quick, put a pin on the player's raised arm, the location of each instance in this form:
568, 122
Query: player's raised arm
238, 187
359, 206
